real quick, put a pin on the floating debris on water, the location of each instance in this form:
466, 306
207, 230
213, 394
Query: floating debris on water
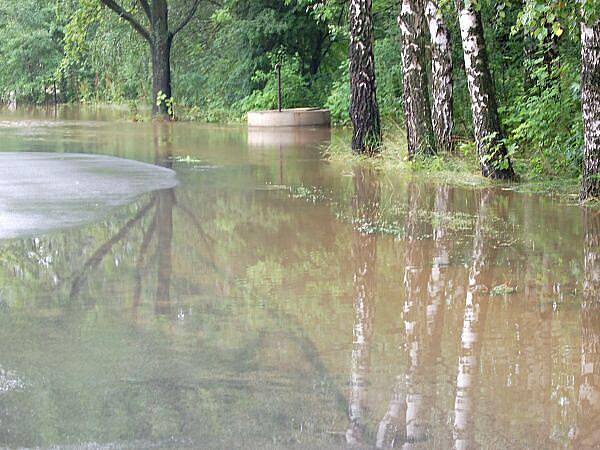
503, 289
9, 381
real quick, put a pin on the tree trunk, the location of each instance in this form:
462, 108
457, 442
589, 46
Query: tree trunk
493, 156
417, 112
364, 112
441, 74
590, 100
161, 60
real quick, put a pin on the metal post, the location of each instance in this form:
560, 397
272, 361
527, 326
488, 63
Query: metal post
54, 93
278, 69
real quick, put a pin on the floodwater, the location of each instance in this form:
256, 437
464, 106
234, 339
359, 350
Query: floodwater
270, 299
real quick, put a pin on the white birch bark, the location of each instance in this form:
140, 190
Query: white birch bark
364, 112
590, 101
417, 111
493, 157
442, 118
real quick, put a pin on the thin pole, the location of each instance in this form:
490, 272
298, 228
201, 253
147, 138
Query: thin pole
54, 92
278, 69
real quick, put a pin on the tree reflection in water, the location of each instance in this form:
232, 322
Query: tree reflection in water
160, 229
475, 313
587, 433
364, 256
410, 408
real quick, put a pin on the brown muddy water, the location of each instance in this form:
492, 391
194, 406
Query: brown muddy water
274, 300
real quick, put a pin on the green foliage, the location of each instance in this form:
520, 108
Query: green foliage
338, 101
545, 126
296, 90
31, 49
169, 102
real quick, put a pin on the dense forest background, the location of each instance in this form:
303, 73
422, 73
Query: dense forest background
223, 64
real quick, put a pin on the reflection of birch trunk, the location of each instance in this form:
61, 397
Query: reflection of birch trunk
423, 315
424, 347
404, 404
473, 323
533, 365
588, 416
437, 279
389, 432
364, 255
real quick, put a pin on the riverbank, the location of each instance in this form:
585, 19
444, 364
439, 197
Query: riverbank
459, 168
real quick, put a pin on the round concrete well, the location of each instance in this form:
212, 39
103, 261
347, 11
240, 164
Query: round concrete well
297, 117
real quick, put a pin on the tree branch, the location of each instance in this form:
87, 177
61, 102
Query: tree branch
99, 254
146, 8
128, 17
187, 18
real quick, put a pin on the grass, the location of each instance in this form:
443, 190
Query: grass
459, 168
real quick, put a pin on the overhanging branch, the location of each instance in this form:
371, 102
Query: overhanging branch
187, 18
128, 17
146, 7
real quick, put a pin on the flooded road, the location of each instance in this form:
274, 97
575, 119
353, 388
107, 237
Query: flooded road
274, 300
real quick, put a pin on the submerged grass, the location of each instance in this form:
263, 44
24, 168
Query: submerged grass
458, 168
392, 157
391, 217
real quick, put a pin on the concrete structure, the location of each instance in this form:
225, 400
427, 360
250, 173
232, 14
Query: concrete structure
287, 136
297, 117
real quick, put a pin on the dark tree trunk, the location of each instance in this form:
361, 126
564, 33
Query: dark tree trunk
161, 59
442, 92
364, 112
417, 112
317, 53
161, 77
160, 38
590, 100
493, 156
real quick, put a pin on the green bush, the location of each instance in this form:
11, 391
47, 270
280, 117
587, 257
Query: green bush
295, 90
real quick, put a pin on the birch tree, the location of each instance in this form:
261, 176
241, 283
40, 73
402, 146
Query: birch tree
442, 92
417, 111
364, 112
590, 101
493, 155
